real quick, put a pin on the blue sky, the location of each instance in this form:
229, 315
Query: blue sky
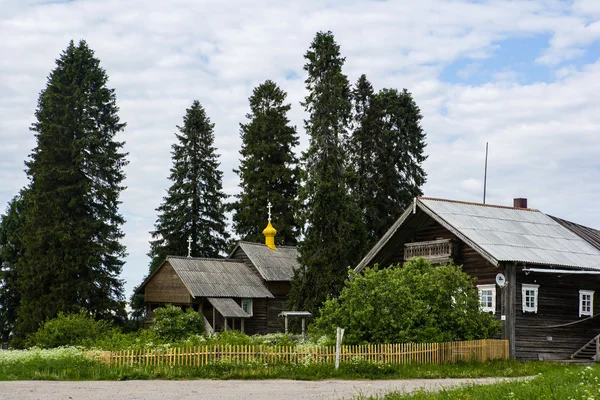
521, 75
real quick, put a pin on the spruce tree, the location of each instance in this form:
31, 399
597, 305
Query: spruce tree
268, 168
11, 252
386, 155
194, 204
363, 148
334, 232
73, 255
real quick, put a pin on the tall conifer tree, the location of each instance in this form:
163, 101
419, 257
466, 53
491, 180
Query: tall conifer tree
269, 168
73, 255
193, 206
386, 150
11, 252
334, 232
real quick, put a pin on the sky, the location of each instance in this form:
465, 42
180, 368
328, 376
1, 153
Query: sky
523, 76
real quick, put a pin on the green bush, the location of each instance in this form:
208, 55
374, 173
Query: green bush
418, 302
70, 330
173, 324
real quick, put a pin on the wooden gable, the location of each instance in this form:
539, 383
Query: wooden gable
165, 286
421, 228
240, 255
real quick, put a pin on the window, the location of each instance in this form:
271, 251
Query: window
529, 294
586, 302
487, 298
247, 306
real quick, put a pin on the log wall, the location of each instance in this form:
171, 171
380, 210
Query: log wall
558, 304
166, 287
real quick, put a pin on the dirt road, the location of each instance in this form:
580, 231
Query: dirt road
205, 389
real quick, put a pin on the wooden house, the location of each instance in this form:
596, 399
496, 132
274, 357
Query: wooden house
245, 291
538, 274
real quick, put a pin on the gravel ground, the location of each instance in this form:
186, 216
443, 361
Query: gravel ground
206, 389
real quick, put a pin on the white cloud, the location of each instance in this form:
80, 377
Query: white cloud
160, 56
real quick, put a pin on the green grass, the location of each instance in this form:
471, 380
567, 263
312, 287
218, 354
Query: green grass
73, 364
560, 382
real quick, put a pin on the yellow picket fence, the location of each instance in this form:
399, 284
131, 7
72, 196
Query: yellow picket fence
406, 353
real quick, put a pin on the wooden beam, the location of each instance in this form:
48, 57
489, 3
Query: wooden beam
303, 325
242, 323
510, 294
214, 319
225, 323
286, 324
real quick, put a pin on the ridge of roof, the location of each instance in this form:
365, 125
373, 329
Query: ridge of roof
204, 258
262, 244
476, 204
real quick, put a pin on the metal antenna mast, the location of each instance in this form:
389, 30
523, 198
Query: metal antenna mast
485, 172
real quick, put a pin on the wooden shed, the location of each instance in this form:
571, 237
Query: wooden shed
246, 291
551, 268
225, 291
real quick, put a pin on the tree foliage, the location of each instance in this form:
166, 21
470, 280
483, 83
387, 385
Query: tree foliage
70, 330
172, 323
73, 254
414, 303
386, 155
334, 232
194, 204
11, 251
268, 168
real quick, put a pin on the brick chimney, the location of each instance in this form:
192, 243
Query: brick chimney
520, 203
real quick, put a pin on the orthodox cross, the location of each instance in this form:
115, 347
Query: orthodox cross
269, 206
189, 246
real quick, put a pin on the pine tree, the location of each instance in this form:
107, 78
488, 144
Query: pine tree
73, 255
193, 206
386, 155
11, 252
269, 168
334, 232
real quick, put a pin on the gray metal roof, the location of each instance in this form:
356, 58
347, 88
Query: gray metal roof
206, 277
272, 265
513, 234
590, 235
227, 307
500, 234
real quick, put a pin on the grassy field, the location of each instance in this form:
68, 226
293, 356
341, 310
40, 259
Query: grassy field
559, 382
75, 364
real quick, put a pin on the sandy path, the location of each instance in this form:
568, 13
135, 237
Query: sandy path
206, 389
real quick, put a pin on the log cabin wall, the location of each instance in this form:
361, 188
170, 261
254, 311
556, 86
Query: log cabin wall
276, 305
258, 322
558, 304
166, 287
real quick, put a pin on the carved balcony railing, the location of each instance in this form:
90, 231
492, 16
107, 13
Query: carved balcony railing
436, 251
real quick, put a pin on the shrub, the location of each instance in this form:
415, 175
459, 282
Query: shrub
415, 303
70, 330
172, 323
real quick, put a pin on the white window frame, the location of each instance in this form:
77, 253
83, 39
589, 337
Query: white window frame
583, 293
526, 287
486, 308
250, 306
